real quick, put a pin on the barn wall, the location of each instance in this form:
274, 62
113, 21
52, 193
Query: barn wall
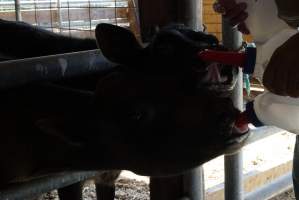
211, 19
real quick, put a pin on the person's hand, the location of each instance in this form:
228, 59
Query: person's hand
234, 12
282, 73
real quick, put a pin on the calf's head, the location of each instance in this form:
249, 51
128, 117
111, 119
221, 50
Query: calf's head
161, 111
168, 107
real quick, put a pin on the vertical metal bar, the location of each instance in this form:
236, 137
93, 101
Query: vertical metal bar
234, 163
190, 13
115, 12
59, 15
18, 10
189, 186
192, 16
35, 13
90, 20
51, 16
232, 38
68, 17
194, 187
233, 176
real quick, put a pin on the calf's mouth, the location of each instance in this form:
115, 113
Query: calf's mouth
218, 77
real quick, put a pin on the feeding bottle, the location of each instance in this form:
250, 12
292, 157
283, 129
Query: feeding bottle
268, 32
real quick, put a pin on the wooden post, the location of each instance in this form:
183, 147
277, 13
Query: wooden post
133, 18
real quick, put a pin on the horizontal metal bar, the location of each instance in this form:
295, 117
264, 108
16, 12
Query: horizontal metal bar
81, 25
272, 189
39, 186
109, 2
5, 6
55, 67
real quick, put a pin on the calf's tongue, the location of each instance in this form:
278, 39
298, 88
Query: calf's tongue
241, 124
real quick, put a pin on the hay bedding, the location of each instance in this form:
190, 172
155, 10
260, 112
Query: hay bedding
126, 189
132, 189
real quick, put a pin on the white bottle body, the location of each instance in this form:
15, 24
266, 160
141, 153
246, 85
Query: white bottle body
269, 32
279, 111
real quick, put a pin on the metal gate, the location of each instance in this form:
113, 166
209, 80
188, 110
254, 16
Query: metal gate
72, 17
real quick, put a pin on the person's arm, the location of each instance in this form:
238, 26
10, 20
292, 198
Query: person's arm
288, 10
282, 73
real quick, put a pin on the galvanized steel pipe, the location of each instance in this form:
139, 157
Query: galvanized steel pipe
232, 39
19, 72
39, 186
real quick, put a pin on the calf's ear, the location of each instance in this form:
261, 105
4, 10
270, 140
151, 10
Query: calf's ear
117, 44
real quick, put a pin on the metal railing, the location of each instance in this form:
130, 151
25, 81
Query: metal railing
31, 5
42, 185
23, 71
73, 17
